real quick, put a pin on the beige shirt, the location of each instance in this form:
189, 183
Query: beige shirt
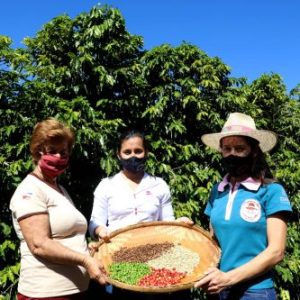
38, 277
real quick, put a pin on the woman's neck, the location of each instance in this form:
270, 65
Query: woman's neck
135, 177
38, 173
237, 179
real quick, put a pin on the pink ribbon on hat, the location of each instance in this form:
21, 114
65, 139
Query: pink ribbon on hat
237, 128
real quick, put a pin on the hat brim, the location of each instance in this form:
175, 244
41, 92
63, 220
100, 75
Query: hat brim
267, 139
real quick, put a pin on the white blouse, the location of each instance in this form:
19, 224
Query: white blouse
117, 205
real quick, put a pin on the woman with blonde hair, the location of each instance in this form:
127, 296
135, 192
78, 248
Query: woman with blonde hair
55, 262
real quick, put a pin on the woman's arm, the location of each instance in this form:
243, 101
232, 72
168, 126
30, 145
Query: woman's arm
99, 216
166, 211
216, 280
36, 232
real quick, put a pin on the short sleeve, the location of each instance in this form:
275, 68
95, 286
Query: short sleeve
28, 199
276, 199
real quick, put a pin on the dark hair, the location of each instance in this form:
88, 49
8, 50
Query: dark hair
132, 133
260, 168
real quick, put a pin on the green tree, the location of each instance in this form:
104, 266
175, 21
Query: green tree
94, 75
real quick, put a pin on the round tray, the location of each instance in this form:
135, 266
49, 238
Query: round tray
193, 238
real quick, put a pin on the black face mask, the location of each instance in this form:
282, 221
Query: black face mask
237, 165
133, 164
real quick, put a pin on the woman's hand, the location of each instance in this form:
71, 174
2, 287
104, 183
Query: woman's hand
214, 281
93, 247
102, 233
95, 269
185, 220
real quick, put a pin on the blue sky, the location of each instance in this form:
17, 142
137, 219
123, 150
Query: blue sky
253, 37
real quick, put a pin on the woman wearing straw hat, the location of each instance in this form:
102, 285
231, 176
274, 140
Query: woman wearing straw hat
248, 213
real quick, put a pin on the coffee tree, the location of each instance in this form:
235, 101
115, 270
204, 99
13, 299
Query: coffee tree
91, 73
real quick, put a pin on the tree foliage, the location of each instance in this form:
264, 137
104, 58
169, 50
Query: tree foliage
91, 73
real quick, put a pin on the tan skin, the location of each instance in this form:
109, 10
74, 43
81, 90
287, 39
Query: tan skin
215, 280
37, 232
130, 147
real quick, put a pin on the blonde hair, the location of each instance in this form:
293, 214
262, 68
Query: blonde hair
48, 132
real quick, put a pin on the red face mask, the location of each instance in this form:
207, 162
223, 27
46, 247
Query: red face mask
52, 165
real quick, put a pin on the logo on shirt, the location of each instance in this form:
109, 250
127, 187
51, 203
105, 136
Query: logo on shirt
250, 210
26, 196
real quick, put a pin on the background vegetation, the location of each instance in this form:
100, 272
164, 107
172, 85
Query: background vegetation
94, 75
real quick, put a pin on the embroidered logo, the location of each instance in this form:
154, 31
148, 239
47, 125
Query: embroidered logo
250, 210
148, 193
27, 196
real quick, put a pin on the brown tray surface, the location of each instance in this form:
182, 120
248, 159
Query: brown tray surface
193, 238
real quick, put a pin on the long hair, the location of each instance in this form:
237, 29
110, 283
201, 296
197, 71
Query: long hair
260, 168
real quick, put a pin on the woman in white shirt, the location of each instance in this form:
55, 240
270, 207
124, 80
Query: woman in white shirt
132, 195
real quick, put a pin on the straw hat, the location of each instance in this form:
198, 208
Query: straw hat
241, 124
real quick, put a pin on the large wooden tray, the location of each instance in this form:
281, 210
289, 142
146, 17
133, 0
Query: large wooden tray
193, 238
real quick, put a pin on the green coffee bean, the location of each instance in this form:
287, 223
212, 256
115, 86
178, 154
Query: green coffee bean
129, 273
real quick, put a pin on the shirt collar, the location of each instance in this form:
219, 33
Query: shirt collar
249, 183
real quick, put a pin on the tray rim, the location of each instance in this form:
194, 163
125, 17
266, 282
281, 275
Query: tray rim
176, 287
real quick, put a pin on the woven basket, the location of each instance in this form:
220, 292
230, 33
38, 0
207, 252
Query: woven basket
193, 238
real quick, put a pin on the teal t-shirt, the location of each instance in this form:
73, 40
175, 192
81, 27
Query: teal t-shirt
238, 219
